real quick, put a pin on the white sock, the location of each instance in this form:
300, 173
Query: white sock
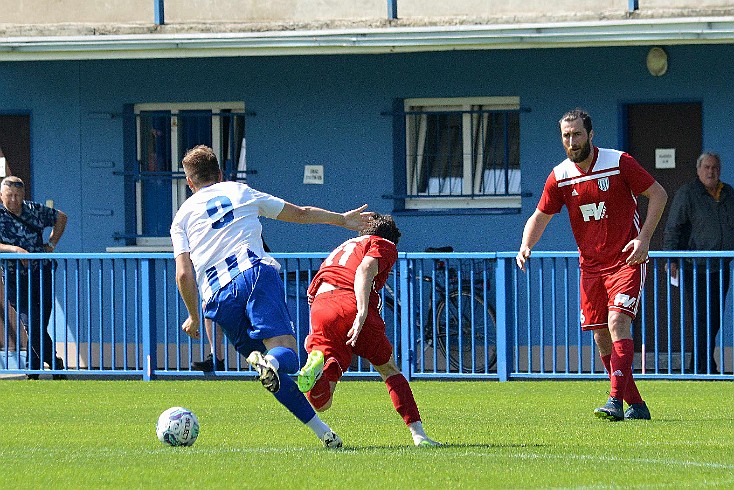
318, 426
273, 361
416, 430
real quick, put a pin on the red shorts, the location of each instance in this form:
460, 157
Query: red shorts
616, 291
332, 315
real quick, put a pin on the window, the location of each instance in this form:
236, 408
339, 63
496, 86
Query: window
462, 153
164, 132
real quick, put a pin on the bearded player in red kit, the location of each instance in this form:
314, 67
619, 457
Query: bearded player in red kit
599, 187
345, 319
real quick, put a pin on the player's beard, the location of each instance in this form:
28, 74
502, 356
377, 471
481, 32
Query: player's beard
581, 154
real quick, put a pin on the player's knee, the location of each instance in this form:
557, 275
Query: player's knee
388, 369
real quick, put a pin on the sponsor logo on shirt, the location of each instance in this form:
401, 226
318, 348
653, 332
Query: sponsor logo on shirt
596, 210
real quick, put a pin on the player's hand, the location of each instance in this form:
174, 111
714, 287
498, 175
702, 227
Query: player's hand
191, 328
639, 249
355, 330
357, 219
522, 256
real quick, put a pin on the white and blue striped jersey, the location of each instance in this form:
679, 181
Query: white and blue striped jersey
219, 227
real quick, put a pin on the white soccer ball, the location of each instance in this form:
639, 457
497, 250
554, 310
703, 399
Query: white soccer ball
177, 426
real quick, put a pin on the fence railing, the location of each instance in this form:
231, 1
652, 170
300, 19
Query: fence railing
448, 315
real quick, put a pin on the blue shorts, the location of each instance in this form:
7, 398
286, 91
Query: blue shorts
251, 308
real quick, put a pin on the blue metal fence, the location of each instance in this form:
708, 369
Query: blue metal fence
449, 315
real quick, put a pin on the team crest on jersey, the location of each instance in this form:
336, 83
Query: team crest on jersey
603, 183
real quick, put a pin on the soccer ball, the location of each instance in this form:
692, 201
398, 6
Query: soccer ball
177, 426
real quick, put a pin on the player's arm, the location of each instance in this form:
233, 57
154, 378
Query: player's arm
186, 282
363, 279
534, 229
355, 219
640, 245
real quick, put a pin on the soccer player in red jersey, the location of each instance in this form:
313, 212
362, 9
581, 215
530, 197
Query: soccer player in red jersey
599, 187
345, 319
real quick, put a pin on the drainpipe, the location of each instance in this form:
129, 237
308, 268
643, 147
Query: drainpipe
158, 8
392, 9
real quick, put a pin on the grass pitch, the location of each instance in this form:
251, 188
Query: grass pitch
534, 434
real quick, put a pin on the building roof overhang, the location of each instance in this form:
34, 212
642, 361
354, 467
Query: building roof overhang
625, 32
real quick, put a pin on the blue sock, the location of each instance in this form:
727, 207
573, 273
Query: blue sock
293, 399
287, 359
289, 394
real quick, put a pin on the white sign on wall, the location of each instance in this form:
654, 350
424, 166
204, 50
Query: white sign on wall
313, 174
664, 157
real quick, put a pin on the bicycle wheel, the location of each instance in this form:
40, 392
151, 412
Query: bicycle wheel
470, 341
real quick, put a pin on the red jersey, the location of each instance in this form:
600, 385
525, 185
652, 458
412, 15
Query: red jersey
340, 267
602, 205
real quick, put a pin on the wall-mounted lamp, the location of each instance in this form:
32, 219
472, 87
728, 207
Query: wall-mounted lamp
657, 62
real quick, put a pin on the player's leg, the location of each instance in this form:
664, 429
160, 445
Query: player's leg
623, 386
311, 372
595, 318
624, 290
281, 357
332, 315
321, 395
270, 322
631, 394
613, 409
404, 402
374, 346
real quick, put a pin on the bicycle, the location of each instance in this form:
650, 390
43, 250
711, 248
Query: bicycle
465, 330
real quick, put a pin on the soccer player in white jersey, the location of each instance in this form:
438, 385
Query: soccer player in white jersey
599, 187
218, 246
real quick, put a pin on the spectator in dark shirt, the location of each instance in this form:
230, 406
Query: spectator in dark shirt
702, 218
31, 290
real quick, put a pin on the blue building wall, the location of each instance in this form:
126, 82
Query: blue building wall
329, 110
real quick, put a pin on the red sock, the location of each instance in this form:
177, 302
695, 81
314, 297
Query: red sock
607, 361
402, 398
623, 353
631, 393
321, 393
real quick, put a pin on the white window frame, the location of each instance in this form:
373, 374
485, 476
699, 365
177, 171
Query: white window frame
454, 104
178, 186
